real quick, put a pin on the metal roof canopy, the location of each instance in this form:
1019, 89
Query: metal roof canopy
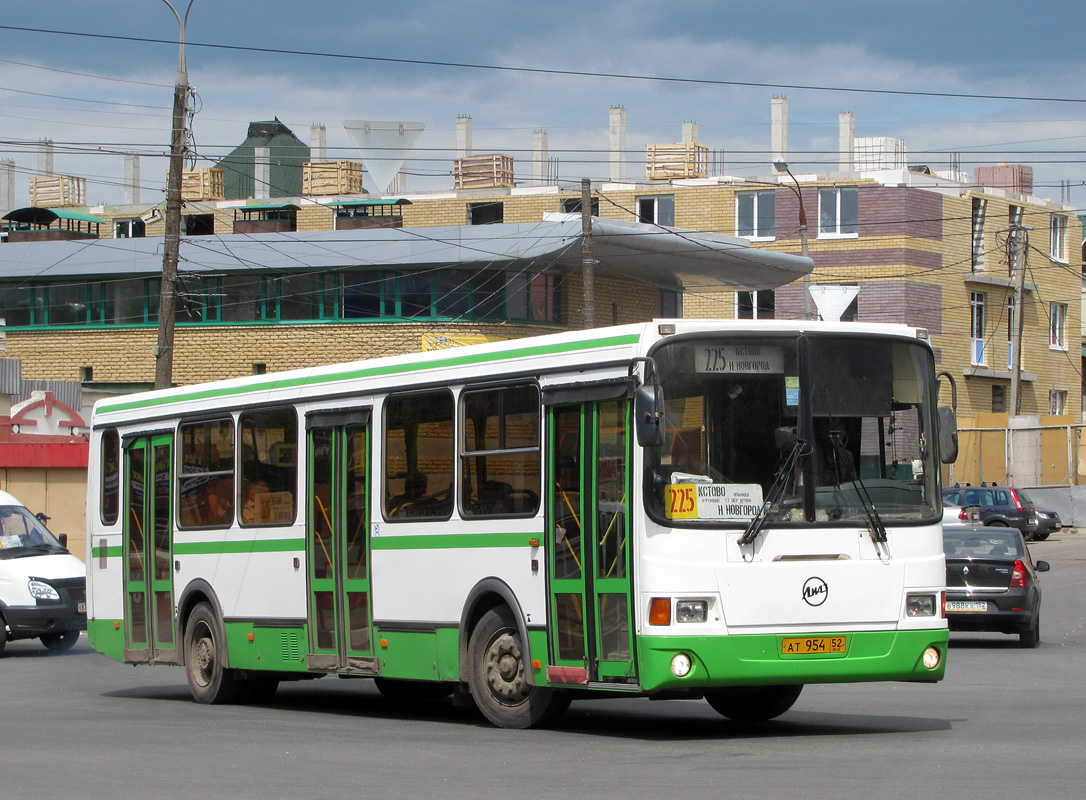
35, 215
704, 261
380, 201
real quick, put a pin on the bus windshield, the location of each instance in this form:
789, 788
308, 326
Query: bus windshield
843, 424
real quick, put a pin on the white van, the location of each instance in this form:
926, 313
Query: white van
43, 587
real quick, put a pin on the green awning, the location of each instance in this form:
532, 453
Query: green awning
386, 201
285, 207
34, 215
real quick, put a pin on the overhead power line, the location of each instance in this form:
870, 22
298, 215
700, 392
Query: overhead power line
543, 71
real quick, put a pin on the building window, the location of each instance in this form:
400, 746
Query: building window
756, 214
755, 305
980, 207
669, 304
657, 210
1057, 326
838, 212
977, 327
1057, 238
1057, 401
198, 225
129, 228
572, 205
1014, 215
998, 401
489, 213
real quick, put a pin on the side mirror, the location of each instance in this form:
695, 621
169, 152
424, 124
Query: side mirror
63, 539
649, 415
948, 435
1042, 566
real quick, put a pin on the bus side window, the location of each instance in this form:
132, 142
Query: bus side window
269, 467
500, 451
418, 456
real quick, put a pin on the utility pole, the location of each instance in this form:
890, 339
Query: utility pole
1019, 237
588, 268
168, 299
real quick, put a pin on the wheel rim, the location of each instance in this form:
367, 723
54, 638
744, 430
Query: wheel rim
505, 670
202, 655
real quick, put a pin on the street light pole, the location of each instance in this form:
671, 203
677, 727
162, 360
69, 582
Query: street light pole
808, 309
172, 242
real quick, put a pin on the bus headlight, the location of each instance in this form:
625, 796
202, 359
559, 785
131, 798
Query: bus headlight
40, 590
920, 605
680, 665
691, 610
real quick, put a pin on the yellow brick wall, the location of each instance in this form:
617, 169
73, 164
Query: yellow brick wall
712, 208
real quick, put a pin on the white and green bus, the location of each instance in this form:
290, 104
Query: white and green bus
724, 510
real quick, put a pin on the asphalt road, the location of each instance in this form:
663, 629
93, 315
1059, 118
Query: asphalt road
1006, 723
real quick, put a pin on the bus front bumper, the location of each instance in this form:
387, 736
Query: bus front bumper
752, 660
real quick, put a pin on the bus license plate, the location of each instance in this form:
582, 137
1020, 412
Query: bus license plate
966, 605
804, 645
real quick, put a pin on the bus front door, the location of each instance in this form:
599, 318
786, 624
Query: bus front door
337, 547
149, 633
588, 546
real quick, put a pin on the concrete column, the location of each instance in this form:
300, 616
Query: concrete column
463, 136
262, 172
846, 142
618, 144
131, 179
45, 157
779, 130
318, 142
7, 185
540, 153
690, 132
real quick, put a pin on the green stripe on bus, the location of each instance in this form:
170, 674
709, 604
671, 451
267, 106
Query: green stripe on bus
238, 546
451, 541
109, 552
372, 372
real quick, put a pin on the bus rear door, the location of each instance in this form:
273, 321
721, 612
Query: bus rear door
149, 633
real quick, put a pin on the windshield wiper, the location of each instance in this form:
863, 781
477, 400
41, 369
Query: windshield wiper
776, 490
874, 521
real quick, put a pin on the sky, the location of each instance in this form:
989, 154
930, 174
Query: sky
901, 67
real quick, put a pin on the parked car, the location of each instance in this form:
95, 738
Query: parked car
1004, 505
43, 587
1048, 522
991, 583
958, 517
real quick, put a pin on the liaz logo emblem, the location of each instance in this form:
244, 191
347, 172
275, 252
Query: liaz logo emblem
815, 591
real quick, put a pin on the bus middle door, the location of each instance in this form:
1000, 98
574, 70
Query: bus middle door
337, 542
149, 633
588, 543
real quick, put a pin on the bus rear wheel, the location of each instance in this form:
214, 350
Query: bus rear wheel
209, 680
497, 677
753, 703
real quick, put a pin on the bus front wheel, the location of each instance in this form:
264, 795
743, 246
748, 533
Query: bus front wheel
209, 680
753, 703
497, 678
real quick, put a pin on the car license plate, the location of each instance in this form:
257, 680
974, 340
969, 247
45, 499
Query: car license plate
81, 608
806, 645
966, 605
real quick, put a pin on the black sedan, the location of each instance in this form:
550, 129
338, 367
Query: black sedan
991, 583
